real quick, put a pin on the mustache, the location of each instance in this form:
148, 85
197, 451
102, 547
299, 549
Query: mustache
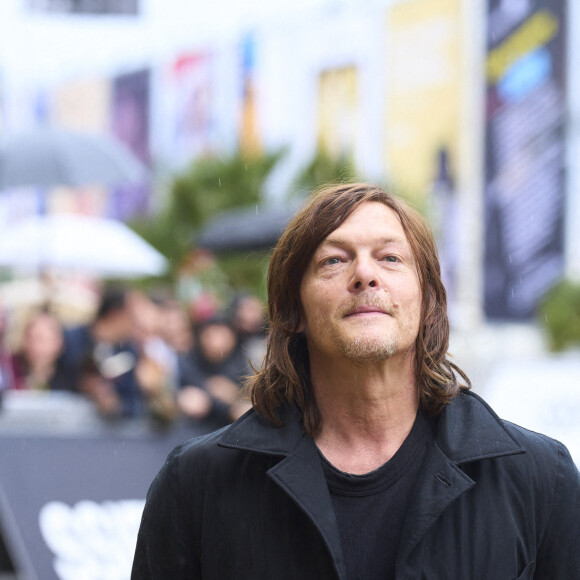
362, 300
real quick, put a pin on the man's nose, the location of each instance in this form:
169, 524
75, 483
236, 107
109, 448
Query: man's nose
365, 275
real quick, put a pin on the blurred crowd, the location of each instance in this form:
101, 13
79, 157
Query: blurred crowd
143, 356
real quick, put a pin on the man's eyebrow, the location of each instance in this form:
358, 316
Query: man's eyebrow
341, 242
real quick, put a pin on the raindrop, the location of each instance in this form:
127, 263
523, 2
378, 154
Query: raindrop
257, 210
220, 181
510, 258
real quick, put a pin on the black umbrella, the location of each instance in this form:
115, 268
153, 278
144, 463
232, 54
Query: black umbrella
250, 228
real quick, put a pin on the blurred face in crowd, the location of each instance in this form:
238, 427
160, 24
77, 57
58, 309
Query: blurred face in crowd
176, 328
42, 340
145, 317
249, 315
121, 324
216, 341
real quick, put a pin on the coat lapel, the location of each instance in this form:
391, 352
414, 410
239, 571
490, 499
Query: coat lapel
440, 483
301, 476
299, 473
467, 430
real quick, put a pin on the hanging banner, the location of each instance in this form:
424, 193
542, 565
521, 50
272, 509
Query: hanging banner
130, 124
524, 154
191, 89
338, 111
83, 105
423, 91
249, 133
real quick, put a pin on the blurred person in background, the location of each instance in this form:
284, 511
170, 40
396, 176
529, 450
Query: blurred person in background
100, 358
366, 454
176, 326
6, 375
176, 329
157, 368
202, 285
248, 319
36, 363
212, 378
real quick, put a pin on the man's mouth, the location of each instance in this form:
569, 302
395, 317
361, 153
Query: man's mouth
365, 310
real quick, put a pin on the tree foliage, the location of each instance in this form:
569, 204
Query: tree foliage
209, 185
559, 314
217, 183
322, 169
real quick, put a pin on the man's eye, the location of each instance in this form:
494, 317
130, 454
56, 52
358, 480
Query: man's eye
393, 259
332, 261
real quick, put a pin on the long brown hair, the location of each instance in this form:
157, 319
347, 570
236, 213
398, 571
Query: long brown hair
285, 374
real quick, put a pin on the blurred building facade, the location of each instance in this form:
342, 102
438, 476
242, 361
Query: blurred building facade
471, 108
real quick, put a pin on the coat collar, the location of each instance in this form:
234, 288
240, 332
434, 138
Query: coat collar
467, 430
299, 473
251, 432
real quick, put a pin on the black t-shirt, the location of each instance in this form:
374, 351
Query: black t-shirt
371, 508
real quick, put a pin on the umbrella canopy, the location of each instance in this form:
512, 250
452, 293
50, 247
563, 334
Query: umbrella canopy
49, 157
99, 246
253, 228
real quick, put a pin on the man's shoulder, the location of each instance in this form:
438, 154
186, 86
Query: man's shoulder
249, 433
531, 440
548, 456
199, 446
528, 439
532, 451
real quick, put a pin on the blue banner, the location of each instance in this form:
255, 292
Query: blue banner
525, 151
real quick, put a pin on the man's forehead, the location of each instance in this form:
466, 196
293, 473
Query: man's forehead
337, 239
389, 232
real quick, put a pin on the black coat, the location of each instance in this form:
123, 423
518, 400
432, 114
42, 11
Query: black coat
493, 501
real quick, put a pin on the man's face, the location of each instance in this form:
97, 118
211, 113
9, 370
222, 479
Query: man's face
360, 294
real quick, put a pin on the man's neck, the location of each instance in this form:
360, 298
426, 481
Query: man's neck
367, 412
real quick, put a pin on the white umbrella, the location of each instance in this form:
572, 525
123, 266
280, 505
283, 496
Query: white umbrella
49, 157
104, 247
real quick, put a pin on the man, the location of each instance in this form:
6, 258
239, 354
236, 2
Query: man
100, 358
362, 457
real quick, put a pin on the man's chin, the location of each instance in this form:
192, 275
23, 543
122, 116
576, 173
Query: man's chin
369, 349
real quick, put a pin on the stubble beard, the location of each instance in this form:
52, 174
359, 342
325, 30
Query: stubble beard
368, 347
363, 349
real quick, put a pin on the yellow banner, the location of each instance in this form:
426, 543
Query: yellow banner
423, 56
338, 111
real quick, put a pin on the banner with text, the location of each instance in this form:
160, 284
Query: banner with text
70, 506
524, 154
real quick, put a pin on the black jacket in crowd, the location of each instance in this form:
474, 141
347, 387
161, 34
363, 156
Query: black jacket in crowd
493, 502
